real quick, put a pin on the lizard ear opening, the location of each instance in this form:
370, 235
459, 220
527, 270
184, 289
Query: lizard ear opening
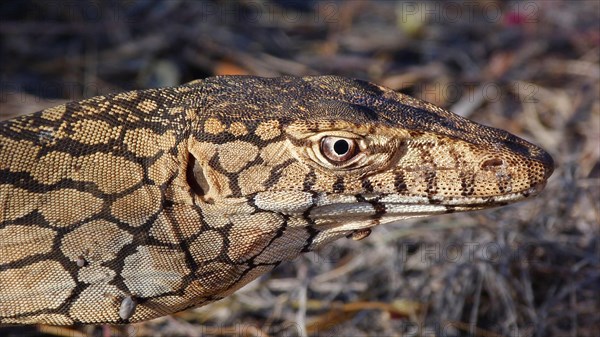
196, 178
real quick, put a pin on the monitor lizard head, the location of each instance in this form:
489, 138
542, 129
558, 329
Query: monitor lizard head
341, 155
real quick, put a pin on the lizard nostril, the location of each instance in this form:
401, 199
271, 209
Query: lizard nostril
491, 164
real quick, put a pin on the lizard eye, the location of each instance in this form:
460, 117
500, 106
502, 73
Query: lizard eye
337, 149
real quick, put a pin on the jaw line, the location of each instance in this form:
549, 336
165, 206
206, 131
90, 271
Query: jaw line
460, 201
376, 208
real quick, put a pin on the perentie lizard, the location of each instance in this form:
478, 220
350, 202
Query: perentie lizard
131, 206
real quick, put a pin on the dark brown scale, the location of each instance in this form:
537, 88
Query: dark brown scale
360, 234
400, 183
339, 185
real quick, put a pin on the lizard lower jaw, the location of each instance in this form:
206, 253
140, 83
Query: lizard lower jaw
397, 205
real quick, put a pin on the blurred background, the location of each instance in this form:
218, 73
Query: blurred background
530, 67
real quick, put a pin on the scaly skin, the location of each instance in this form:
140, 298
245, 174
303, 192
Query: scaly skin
132, 206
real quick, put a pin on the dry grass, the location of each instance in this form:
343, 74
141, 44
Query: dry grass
532, 68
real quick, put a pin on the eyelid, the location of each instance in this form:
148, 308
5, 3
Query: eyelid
362, 141
337, 133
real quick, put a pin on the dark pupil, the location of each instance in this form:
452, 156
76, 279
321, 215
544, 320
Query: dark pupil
341, 147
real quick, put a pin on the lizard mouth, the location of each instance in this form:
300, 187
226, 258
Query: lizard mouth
357, 218
396, 206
